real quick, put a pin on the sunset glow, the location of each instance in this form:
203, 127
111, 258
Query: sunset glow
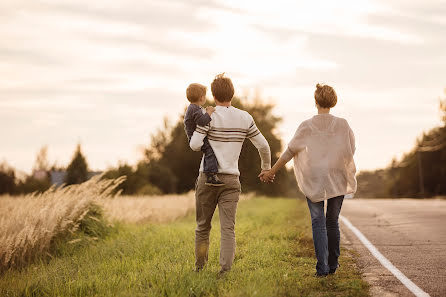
105, 74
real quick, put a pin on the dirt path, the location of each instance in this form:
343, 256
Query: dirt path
409, 233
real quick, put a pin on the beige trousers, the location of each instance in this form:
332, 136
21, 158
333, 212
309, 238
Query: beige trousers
207, 198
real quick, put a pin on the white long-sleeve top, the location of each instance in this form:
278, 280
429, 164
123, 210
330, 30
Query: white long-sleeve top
226, 132
323, 149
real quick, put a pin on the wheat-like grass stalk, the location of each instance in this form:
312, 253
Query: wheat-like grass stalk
30, 224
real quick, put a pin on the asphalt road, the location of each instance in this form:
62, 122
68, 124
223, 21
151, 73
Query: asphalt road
410, 233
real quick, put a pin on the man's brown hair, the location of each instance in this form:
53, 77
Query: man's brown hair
195, 91
325, 96
222, 88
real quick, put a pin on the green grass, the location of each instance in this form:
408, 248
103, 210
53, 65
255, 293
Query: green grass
274, 257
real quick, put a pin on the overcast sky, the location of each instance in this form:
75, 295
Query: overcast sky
105, 73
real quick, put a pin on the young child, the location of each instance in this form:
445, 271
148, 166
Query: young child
323, 148
197, 115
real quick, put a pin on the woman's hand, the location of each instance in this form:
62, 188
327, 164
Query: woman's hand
267, 176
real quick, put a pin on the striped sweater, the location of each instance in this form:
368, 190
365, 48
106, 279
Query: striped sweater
226, 132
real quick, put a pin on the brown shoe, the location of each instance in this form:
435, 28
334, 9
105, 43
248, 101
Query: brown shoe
198, 269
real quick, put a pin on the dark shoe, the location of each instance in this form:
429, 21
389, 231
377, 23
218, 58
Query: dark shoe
214, 181
333, 270
320, 274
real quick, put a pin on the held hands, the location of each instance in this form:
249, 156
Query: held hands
266, 176
210, 109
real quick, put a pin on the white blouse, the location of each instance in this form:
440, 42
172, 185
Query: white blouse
323, 149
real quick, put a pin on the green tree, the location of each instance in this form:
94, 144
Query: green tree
41, 162
77, 171
7, 179
137, 181
31, 184
39, 180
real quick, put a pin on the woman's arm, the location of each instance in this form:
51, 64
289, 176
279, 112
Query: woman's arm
279, 165
296, 144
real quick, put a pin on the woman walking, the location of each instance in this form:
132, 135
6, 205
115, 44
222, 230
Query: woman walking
323, 148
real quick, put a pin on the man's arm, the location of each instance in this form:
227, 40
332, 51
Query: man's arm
196, 141
261, 144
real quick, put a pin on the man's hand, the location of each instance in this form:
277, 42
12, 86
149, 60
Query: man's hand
210, 109
266, 176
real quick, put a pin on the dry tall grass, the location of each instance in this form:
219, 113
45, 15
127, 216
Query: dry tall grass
143, 209
29, 225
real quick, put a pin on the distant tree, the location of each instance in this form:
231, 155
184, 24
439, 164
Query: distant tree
443, 107
77, 171
372, 184
7, 179
31, 184
39, 180
41, 163
137, 181
249, 162
420, 172
159, 141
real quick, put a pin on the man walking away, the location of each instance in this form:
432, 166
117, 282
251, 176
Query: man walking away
226, 132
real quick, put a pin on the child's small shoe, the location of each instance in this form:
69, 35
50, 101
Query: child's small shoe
214, 181
333, 270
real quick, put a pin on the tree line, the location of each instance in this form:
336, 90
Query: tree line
169, 165
420, 173
39, 180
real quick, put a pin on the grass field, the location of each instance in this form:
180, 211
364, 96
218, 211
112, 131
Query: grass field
274, 258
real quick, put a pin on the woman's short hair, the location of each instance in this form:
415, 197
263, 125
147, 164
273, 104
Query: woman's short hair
325, 96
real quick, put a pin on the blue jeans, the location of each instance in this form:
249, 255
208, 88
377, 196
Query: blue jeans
326, 235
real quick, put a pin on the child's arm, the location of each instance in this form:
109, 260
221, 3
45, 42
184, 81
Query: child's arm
202, 119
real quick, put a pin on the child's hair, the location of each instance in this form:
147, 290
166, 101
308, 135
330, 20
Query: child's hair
222, 88
325, 96
194, 92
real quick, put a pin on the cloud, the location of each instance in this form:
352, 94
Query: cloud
107, 72
109, 127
